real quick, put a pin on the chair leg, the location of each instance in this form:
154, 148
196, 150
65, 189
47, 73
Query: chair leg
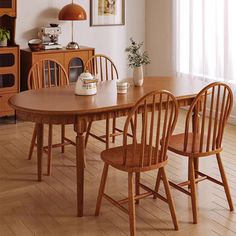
49, 170
158, 182
189, 164
193, 189
62, 138
137, 187
107, 133
196, 166
113, 129
87, 133
101, 189
225, 182
132, 220
33, 142
169, 198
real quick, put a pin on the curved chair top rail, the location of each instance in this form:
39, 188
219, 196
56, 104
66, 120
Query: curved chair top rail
47, 73
102, 66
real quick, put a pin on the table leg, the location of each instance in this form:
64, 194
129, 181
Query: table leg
39, 128
80, 128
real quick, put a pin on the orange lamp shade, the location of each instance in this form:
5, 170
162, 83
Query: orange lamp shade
72, 12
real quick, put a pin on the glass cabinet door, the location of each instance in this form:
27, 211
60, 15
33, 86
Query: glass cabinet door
8, 7
7, 60
76, 67
6, 3
51, 72
7, 80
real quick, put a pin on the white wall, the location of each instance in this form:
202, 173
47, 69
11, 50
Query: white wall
110, 40
159, 37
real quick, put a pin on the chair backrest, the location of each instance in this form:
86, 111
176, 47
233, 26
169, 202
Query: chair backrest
47, 73
214, 104
159, 113
102, 66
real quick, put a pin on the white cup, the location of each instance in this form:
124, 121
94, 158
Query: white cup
122, 87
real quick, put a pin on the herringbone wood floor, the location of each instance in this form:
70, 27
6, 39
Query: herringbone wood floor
48, 208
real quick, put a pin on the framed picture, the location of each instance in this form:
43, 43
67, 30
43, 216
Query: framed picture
107, 12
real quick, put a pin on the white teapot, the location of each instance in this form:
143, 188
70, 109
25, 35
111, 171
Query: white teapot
86, 85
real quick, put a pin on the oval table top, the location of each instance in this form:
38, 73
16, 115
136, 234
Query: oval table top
63, 101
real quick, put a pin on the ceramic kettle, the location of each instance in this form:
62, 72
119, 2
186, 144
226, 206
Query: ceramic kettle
86, 85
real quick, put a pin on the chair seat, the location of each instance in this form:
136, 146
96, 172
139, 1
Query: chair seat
176, 144
114, 157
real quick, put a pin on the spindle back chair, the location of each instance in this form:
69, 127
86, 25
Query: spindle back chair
214, 104
144, 152
48, 73
162, 109
104, 69
219, 98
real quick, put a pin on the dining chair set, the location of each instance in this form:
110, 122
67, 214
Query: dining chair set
148, 134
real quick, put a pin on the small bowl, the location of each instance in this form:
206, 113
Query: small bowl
35, 44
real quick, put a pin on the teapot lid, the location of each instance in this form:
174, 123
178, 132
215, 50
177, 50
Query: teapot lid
86, 76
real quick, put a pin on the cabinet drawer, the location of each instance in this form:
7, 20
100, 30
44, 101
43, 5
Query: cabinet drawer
5, 109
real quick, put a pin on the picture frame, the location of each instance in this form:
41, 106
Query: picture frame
107, 12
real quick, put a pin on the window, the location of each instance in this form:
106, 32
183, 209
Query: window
206, 39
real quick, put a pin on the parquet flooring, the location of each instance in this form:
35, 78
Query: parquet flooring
49, 208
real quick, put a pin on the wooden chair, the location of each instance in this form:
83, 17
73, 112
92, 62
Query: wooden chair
204, 140
48, 73
103, 67
143, 153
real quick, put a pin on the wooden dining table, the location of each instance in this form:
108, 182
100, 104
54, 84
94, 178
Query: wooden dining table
59, 105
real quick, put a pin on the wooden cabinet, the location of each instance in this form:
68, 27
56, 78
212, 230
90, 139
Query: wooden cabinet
9, 58
72, 60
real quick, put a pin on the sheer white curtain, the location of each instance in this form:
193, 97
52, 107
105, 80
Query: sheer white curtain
205, 37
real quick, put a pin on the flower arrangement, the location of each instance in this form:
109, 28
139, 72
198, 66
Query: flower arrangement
135, 57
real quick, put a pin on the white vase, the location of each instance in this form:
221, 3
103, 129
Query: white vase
3, 43
138, 76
